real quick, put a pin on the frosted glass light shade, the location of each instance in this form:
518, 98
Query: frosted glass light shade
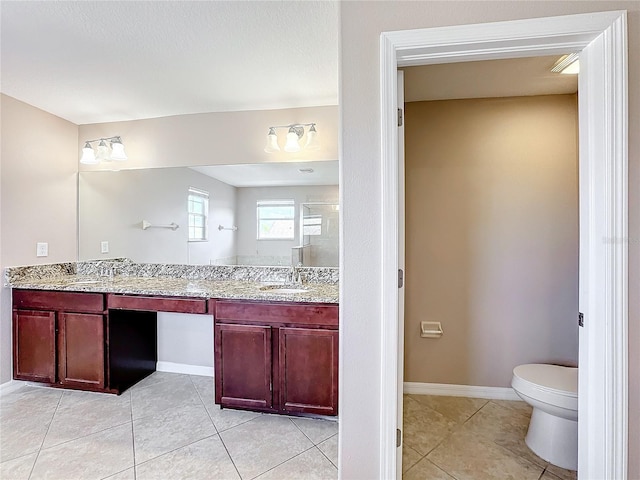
103, 152
312, 139
292, 145
117, 151
272, 142
88, 156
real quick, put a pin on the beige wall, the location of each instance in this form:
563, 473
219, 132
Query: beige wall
492, 237
39, 157
215, 138
361, 25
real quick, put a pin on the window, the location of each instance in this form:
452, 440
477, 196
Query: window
276, 219
312, 225
198, 207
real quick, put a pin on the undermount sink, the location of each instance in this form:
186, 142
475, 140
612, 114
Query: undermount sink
283, 289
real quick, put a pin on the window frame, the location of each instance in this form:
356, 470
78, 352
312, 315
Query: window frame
204, 197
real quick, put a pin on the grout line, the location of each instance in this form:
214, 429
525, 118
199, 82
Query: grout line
318, 446
287, 460
224, 445
307, 436
45, 435
133, 435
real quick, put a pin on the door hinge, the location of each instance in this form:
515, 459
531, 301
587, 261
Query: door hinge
398, 438
400, 278
271, 387
580, 319
399, 117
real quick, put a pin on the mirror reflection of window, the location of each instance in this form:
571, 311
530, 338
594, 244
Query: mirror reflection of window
312, 225
276, 219
198, 210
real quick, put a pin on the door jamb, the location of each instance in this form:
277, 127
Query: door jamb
604, 159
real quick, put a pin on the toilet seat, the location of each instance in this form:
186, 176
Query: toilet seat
552, 384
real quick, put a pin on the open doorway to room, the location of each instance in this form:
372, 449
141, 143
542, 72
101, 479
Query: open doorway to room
603, 131
491, 259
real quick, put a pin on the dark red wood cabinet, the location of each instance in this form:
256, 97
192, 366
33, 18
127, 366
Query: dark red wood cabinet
276, 356
70, 339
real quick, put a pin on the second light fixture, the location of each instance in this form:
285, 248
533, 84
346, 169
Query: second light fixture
295, 132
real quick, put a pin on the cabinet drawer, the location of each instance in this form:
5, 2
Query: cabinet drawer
157, 304
276, 313
66, 301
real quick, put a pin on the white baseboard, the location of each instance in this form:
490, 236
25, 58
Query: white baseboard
11, 386
491, 393
184, 368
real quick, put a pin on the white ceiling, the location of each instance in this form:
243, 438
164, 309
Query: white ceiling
274, 174
103, 61
486, 79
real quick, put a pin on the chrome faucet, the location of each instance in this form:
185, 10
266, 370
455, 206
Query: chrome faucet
294, 274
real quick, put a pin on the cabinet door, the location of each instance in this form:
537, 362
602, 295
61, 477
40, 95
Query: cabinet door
81, 349
308, 364
243, 366
34, 346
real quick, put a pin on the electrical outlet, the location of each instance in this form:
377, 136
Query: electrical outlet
42, 249
104, 247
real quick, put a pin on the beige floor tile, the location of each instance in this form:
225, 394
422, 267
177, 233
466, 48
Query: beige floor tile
317, 430
94, 457
409, 457
128, 474
82, 413
517, 405
458, 409
223, 418
506, 427
21, 435
330, 448
161, 396
548, 476
263, 443
18, 468
309, 465
425, 470
27, 400
424, 428
158, 434
204, 459
562, 473
468, 456
158, 377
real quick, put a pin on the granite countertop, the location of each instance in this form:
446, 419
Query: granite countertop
180, 287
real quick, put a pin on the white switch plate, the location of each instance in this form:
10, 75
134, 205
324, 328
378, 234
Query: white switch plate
104, 247
42, 249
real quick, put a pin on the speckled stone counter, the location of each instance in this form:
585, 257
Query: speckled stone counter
200, 281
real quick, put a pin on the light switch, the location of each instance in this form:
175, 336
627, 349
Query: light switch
42, 249
104, 247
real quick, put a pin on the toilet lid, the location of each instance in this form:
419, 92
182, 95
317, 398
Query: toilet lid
554, 378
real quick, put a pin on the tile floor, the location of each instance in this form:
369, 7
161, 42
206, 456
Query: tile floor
165, 427
459, 438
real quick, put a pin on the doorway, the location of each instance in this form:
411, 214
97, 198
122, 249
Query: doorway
603, 218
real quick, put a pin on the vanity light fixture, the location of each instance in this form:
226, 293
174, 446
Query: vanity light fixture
105, 153
295, 132
567, 64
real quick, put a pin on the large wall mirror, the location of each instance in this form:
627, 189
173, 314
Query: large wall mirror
261, 214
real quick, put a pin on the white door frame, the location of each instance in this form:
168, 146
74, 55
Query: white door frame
603, 124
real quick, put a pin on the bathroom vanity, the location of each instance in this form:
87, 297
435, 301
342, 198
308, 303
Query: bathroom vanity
273, 352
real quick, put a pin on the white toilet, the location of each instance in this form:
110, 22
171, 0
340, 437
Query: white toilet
552, 391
